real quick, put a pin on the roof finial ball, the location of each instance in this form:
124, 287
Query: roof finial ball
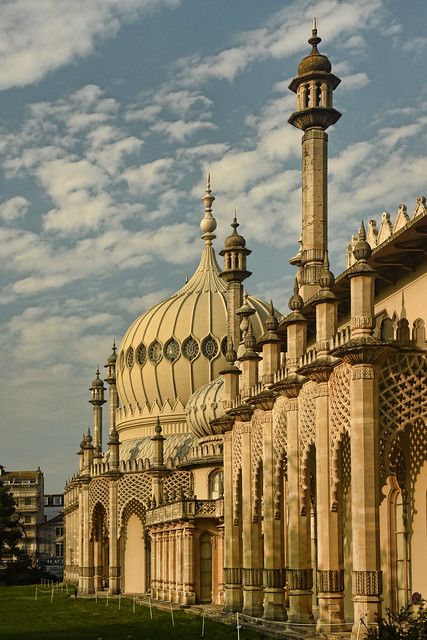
208, 222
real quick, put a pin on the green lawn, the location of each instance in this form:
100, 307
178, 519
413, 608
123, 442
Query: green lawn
23, 617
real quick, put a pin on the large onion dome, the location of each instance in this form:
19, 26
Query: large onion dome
176, 347
205, 405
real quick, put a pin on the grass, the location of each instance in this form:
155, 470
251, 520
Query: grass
66, 618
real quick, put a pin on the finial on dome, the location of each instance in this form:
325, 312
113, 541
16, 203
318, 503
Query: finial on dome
314, 40
158, 427
230, 354
271, 323
208, 222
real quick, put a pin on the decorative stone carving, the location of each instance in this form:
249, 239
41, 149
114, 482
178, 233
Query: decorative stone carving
339, 419
274, 578
362, 372
330, 581
252, 577
232, 575
299, 579
362, 322
307, 430
367, 583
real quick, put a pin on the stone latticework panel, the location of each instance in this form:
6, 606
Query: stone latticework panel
134, 506
339, 420
135, 486
257, 435
237, 468
279, 452
178, 483
99, 493
402, 402
306, 429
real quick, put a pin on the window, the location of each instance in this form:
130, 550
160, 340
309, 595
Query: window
59, 550
400, 563
27, 519
155, 352
190, 349
141, 354
216, 485
209, 347
172, 350
57, 501
28, 501
129, 357
59, 531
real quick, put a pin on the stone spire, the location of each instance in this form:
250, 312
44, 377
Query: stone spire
234, 273
97, 400
110, 379
208, 222
314, 88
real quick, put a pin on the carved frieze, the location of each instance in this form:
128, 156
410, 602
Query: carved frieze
367, 583
232, 575
274, 578
362, 372
299, 579
252, 577
330, 581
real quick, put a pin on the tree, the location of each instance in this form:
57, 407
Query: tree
10, 530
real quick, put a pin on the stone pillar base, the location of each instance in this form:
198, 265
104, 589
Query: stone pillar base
331, 613
252, 601
274, 604
233, 597
300, 607
366, 608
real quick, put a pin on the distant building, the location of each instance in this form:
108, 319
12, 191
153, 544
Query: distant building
27, 488
51, 535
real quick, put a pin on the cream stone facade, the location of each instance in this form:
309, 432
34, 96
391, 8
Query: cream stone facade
273, 465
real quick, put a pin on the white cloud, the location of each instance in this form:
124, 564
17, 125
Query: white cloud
149, 176
39, 36
14, 208
180, 130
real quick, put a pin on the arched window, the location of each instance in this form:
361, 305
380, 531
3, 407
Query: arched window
401, 587
216, 484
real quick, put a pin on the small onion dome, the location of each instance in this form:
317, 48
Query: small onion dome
205, 405
362, 249
296, 303
315, 62
97, 382
235, 240
113, 357
326, 277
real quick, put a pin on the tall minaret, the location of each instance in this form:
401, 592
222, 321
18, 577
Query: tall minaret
97, 400
234, 272
314, 87
113, 398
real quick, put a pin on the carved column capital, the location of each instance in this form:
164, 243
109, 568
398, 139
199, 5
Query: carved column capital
299, 579
367, 583
274, 578
232, 575
330, 581
252, 577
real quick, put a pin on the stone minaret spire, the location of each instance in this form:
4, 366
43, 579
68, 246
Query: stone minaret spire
97, 400
234, 272
314, 87
208, 222
113, 397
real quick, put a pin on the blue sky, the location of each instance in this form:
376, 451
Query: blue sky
111, 114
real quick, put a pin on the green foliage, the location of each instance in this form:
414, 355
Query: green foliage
409, 624
21, 571
10, 530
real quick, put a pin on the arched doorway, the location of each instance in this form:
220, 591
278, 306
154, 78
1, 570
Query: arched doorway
134, 555
205, 568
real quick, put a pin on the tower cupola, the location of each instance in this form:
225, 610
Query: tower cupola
314, 87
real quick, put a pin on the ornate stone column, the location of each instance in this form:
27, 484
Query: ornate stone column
179, 566
188, 564
363, 352
252, 573
299, 574
219, 599
172, 567
330, 573
86, 568
114, 566
233, 535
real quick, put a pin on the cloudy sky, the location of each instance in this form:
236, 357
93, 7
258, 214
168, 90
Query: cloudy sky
111, 114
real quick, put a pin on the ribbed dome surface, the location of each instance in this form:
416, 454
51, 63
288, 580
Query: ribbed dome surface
205, 405
173, 349
314, 63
